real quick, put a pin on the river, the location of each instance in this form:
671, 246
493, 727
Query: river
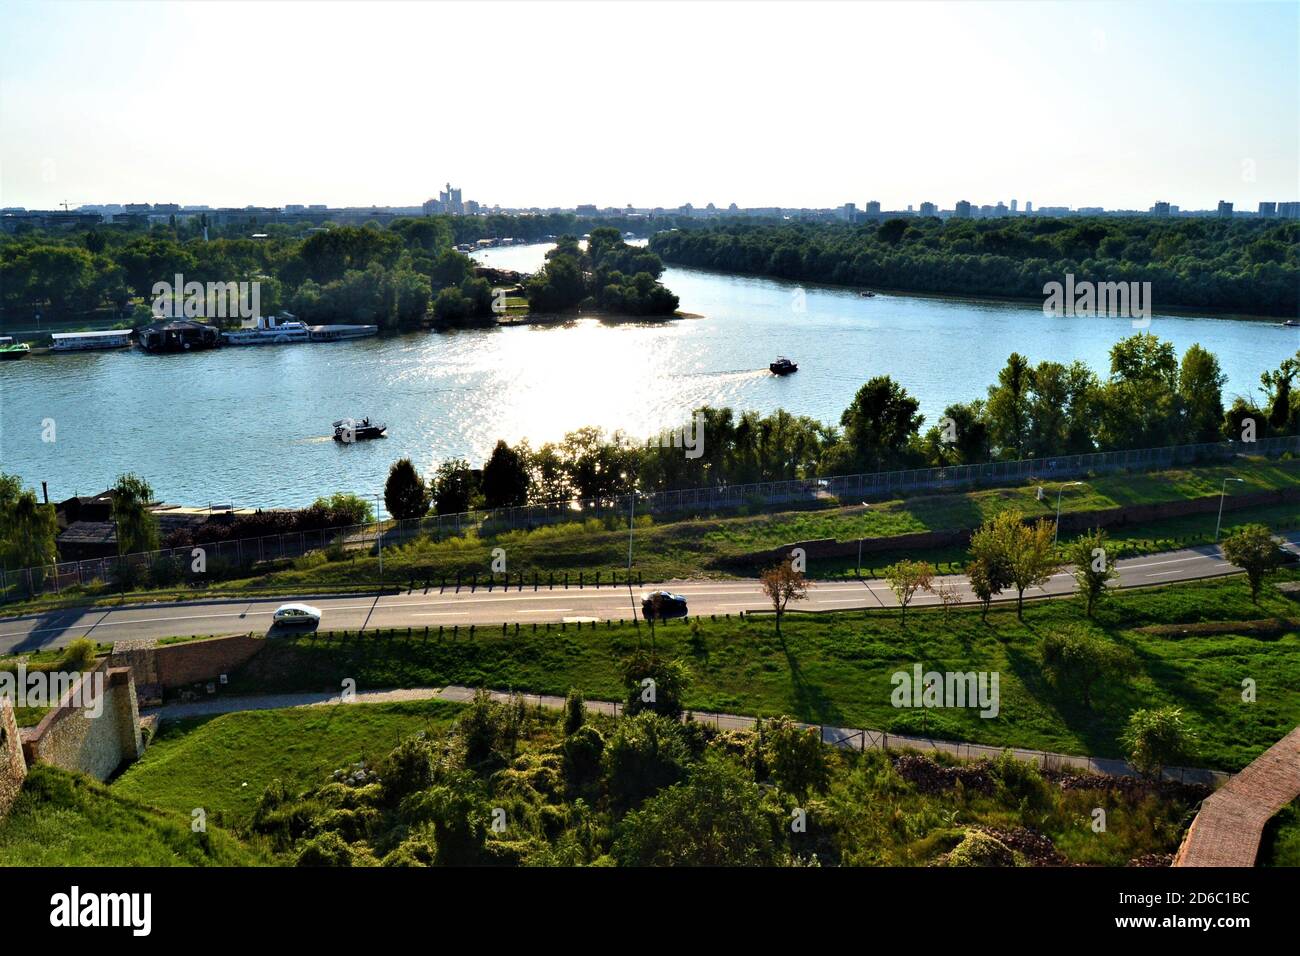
251, 426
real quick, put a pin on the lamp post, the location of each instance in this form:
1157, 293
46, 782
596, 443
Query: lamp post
379, 537
1223, 491
631, 524
1056, 531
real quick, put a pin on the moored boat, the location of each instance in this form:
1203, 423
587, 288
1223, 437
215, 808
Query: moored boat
14, 350
270, 330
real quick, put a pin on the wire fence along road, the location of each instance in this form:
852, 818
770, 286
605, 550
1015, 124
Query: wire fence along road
173, 566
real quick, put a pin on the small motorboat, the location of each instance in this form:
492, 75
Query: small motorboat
783, 366
867, 295
348, 430
1292, 323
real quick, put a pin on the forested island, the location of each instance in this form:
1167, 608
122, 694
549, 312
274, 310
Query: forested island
1250, 267
402, 276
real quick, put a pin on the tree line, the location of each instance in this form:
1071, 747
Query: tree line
396, 276
1150, 398
1242, 266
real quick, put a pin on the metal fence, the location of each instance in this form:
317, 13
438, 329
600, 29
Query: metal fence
176, 565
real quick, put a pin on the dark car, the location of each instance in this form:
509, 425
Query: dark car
661, 605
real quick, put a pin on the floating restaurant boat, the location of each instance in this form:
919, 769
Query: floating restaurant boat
348, 430
270, 330
338, 333
88, 341
783, 366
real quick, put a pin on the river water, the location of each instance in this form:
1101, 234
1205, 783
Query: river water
252, 425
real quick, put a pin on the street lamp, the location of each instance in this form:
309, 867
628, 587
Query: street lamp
631, 524
1222, 491
1056, 531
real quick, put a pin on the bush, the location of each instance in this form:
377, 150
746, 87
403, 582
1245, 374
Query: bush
408, 769
79, 655
327, 849
1156, 738
671, 679
582, 753
795, 756
980, 849
644, 754
411, 853
575, 712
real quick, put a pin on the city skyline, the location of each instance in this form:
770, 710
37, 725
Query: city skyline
1206, 114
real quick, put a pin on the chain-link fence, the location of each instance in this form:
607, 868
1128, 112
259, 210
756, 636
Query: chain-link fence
178, 566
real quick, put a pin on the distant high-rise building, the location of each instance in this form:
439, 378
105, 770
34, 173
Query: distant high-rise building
929, 209
962, 209
1288, 210
849, 211
1013, 205
1000, 209
1225, 209
1267, 210
873, 208
1160, 208
1029, 207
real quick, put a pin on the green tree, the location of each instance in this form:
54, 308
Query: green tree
1156, 738
137, 526
405, 493
1253, 549
1093, 569
879, 424
1200, 393
1030, 553
795, 756
454, 486
1076, 658
505, 478
644, 754
713, 819
668, 682
905, 578
28, 529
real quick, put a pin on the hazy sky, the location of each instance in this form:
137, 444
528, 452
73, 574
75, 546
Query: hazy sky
650, 104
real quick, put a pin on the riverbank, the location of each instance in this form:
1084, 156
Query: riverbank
968, 298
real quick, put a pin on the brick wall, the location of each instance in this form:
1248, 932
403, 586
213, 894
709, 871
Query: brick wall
13, 768
170, 666
71, 738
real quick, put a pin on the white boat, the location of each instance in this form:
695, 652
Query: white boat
270, 330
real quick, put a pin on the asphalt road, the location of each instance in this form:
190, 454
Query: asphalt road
419, 608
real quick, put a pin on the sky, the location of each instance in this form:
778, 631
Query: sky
653, 104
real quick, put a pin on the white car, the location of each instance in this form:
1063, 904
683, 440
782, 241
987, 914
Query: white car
296, 614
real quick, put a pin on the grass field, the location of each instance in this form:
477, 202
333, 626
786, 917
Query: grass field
224, 763
836, 669
66, 819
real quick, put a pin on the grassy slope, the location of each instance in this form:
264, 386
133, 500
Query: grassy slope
709, 546
1281, 843
836, 669
65, 819
224, 763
